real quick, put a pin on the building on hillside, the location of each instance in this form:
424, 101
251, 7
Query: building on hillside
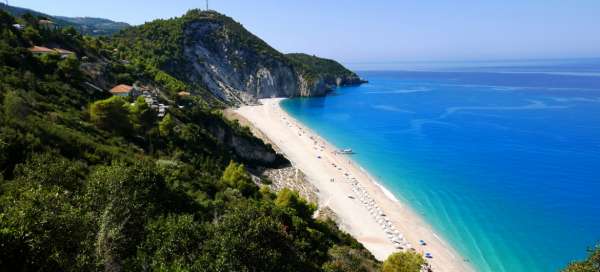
162, 110
40, 50
124, 91
18, 26
183, 94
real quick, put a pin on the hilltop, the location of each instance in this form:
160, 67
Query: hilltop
213, 52
85, 25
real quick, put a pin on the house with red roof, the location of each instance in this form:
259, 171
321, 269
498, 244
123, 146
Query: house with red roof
123, 90
40, 50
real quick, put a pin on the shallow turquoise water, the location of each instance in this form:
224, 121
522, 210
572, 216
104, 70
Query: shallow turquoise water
503, 164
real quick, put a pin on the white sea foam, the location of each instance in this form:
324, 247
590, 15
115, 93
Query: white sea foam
416, 125
534, 105
385, 191
576, 99
391, 108
402, 91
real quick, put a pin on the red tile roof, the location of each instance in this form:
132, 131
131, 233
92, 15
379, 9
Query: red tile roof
46, 50
121, 89
41, 49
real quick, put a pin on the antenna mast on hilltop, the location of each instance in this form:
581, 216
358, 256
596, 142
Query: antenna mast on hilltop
206, 5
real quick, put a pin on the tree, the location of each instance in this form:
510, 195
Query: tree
142, 115
42, 230
32, 35
346, 259
5, 19
591, 264
166, 126
50, 61
111, 114
50, 169
69, 67
249, 238
408, 261
287, 198
173, 241
70, 32
235, 176
123, 197
15, 106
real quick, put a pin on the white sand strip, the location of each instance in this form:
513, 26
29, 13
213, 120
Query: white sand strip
353, 195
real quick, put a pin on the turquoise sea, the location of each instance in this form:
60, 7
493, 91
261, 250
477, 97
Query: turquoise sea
502, 159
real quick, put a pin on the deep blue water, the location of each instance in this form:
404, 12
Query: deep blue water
504, 164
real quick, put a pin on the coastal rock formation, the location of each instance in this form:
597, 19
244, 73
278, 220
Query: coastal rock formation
238, 67
248, 149
293, 179
212, 56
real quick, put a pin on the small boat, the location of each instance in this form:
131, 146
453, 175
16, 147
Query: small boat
346, 151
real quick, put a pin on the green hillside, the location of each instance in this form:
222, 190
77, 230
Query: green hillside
85, 25
94, 182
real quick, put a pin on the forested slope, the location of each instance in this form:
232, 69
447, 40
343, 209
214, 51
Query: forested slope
94, 182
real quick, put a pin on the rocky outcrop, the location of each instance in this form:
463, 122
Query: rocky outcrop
294, 179
238, 67
247, 149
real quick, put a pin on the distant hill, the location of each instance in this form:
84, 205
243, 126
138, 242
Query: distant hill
85, 25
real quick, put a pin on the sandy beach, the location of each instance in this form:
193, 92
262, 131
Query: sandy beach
364, 209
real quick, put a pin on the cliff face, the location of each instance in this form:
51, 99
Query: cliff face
238, 67
210, 52
232, 71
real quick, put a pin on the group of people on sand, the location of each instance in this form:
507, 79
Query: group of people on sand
391, 232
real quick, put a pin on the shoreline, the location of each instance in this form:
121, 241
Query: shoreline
365, 208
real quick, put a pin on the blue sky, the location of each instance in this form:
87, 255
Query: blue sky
385, 30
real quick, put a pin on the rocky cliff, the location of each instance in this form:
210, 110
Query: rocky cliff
213, 52
238, 66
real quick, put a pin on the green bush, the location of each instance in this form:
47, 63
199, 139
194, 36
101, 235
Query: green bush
344, 259
287, 198
591, 264
407, 261
235, 176
111, 114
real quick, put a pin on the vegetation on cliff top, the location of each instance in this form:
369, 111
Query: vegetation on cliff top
313, 67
